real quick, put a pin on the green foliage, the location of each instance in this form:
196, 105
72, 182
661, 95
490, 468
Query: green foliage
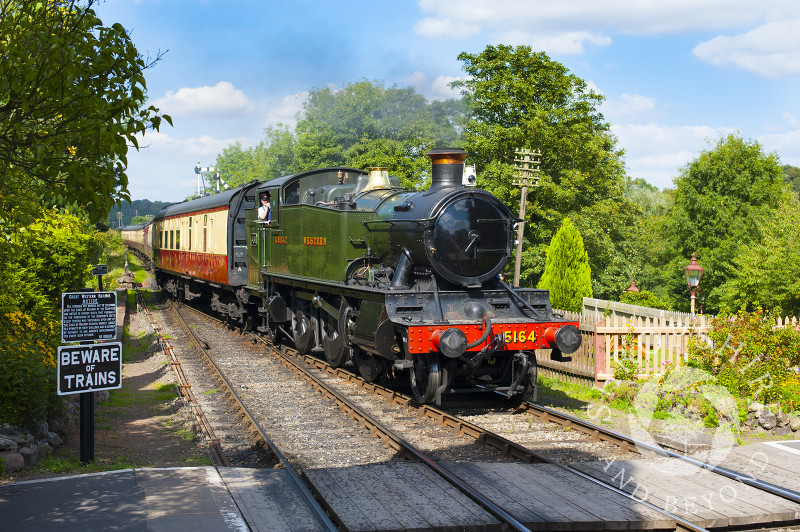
272, 157
365, 124
767, 271
137, 211
791, 175
626, 369
48, 257
749, 356
27, 368
361, 125
644, 298
72, 98
720, 199
567, 274
44, 259
521, 99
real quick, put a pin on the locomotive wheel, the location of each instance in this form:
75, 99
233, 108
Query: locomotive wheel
303, 332
369, 366
529, 393
425, 377
334, 337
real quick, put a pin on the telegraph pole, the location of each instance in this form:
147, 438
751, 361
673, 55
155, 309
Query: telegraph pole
526, 170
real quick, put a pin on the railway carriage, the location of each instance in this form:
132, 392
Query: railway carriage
351, 264
137, 239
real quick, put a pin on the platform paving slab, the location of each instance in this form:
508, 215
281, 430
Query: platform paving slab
103, 501
152, 500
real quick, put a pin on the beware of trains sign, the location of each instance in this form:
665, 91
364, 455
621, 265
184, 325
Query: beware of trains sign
89, 368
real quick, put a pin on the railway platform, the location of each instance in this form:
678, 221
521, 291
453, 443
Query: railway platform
196, 499
408, 496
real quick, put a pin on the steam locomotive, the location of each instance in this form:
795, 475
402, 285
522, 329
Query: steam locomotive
352, 265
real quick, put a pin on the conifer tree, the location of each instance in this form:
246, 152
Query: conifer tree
567, 273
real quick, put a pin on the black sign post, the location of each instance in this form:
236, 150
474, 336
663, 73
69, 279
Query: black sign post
88, 317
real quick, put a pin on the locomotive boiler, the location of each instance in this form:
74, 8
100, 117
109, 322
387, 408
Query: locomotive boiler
350, 264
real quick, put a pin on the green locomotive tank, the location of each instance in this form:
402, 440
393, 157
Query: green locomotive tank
350, 263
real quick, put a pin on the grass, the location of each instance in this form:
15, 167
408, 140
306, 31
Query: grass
161, 393
65, 464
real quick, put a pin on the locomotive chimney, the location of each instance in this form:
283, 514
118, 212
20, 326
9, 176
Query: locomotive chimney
448, 167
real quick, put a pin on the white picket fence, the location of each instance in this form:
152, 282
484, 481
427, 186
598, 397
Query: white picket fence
615, 333
652, 344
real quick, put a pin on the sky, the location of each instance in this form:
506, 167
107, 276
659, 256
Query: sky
676, 75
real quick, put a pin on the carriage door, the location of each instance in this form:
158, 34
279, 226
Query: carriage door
205, 233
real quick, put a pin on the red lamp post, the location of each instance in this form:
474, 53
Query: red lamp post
693, 274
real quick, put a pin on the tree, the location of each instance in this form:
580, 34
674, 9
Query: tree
791, 174
646, 244
365, 124
768, 269
567, 273
48, 257
72, 99
721, 198
521, 99
272, 157
643, 298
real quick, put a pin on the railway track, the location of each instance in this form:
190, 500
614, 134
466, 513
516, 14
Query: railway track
357, 401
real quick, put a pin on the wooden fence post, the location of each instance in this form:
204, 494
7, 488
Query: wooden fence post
599, 353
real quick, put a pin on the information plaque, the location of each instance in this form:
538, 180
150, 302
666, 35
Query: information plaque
88, 316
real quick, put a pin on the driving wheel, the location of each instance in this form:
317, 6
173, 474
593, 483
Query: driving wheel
334, 337
302, 331
425, 377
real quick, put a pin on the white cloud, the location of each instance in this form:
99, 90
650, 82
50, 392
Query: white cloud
163, 169
445, 27
771, 50
285, 112
433, 89
572, 26
657, 153
631, 108
642, 17
223, 99
786, 145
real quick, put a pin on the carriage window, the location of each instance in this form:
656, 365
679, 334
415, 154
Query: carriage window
178, 239
172, 240
205, 233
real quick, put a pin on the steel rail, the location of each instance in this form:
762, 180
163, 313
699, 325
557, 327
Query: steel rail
319, 513
638, 446
488, 438
185, 389
393, 440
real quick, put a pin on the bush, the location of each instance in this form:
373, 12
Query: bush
40, 261
644, 298
750, 356
27, 368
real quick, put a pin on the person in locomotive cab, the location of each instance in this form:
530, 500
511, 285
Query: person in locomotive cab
265, 211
